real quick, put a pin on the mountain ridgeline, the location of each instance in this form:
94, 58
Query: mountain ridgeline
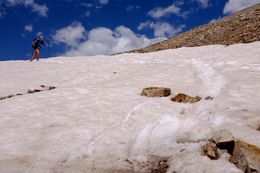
241, 27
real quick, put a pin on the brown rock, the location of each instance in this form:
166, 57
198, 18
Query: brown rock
161, 167
156, 92
224, 141
52, 87
246, 157
2, 98
10, 96
210, 150
223, 136
183, 98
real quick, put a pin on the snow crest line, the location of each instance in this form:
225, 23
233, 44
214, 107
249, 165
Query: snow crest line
135, 109
212, 81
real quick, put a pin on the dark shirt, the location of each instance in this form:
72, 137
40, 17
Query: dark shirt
36, 44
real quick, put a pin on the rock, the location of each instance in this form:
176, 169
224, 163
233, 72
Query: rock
10, 96
183, 98
224, 140
33, 91
210, 150
2, 98
161, 167
52, 87
246, 157
29, 91
223, 136
19, 94
156, 92
208, 98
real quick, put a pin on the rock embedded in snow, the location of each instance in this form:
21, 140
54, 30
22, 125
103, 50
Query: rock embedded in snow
210, 150
246, 157
2, 98
183, 98
52, 87
160, 167
222, 136
209, 98
156, 92
29, 92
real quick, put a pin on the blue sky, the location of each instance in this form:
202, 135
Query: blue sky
91, 27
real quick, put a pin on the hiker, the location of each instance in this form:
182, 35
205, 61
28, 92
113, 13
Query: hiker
36, 45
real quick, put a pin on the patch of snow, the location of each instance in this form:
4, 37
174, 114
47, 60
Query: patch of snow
97, 121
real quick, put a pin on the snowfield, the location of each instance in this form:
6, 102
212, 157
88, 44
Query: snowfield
96, 121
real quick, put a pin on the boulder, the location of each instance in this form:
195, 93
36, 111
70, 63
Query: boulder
246, 157
210, 150
224, 140
156, 92
183, 98
223, 136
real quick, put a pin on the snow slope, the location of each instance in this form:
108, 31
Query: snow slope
96, 120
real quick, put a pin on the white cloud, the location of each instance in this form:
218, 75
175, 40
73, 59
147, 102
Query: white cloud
160, 12
236, 5
103, 40
103, 1
161, 29
144, 25
40, 9
203, 3
28, 28
70, 35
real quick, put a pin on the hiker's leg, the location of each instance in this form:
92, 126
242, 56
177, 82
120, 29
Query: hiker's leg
35, 54
38, 56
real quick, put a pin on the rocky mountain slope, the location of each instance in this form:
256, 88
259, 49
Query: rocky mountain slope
241, 27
